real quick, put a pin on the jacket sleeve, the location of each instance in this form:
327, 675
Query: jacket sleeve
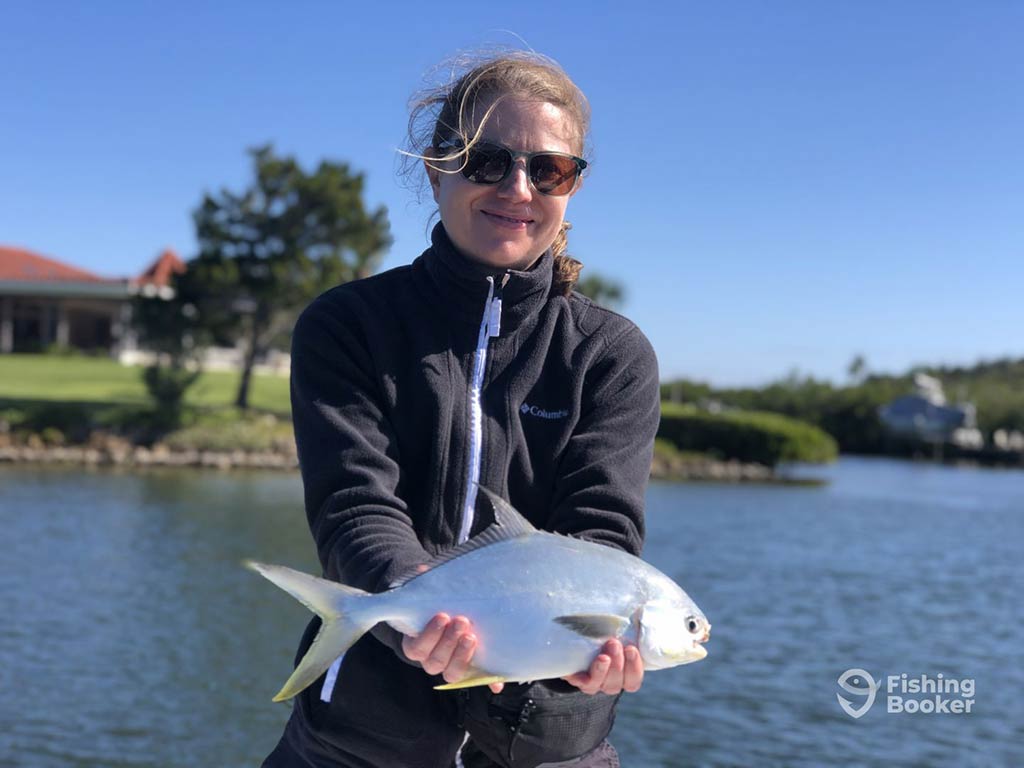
348, 456
603, 473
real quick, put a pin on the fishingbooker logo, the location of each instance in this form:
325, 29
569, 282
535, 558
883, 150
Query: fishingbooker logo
850, 681
540, 413
905, 694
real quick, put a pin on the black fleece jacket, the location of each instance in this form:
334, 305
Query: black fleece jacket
381, 372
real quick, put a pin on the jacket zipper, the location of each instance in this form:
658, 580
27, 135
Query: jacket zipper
490, 327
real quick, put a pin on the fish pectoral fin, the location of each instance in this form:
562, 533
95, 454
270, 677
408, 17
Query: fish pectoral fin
471, 682
596, 625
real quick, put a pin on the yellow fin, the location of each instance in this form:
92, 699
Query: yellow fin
470, 682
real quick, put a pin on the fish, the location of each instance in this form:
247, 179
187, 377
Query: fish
541, 605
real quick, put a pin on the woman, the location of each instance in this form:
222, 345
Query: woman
474, 364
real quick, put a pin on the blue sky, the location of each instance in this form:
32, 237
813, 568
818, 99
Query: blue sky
778, 185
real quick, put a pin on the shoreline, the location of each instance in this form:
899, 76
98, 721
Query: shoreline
123, 454
105, 449
142, 457
693, 469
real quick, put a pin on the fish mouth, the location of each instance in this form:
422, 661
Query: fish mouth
687, 656
699, 651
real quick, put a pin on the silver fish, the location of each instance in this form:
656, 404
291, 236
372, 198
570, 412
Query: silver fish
541, 606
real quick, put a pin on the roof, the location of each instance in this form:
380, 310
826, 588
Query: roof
160, 272
24, 273
20, 265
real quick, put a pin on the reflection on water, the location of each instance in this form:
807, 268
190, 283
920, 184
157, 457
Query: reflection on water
132, 637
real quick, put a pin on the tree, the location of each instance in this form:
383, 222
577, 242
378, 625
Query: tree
857, 369
267, 252
601, 290
167, 327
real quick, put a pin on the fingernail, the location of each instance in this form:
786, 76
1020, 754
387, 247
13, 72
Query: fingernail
466, 641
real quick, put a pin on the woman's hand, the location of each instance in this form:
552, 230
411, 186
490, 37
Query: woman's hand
616, 669
445, 647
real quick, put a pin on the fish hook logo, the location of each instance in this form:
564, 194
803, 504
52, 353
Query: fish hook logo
869, 690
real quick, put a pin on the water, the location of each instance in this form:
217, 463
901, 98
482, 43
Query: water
131, 637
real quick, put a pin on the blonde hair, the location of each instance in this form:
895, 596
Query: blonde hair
443, 124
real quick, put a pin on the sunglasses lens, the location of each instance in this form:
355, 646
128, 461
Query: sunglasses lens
553, 174
487, 164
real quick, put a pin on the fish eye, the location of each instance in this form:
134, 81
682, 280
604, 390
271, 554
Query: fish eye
693, 624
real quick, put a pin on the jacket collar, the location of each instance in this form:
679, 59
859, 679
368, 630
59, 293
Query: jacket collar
462, 283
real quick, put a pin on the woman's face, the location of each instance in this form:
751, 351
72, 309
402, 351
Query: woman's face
510, 224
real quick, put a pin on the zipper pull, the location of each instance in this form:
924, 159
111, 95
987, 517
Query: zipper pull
494, 321
526, 712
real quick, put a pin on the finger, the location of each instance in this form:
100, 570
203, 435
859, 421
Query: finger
582, 681
612, 684
458, 665
496, 687
419, 647
579, 679
633, 673
441, 653
590, 682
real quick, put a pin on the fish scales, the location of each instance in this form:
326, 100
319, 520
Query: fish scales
501, 595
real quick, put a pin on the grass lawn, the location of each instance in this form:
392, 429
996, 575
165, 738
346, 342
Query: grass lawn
101, 380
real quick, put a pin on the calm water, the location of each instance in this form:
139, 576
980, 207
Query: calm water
131, 637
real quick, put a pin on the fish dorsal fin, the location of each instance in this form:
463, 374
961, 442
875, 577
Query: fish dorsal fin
505, 515
599, 626
508, 524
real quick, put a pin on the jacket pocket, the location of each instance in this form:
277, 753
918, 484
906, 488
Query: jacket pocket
544, 722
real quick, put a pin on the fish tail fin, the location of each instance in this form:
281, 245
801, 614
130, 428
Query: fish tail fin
334, 604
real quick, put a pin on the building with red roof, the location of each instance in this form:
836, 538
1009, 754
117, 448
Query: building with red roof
45, 302
157, 277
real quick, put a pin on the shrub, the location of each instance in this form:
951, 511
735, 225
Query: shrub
230, 430
52, 436
72, 420
750, 436
167, 386
61, 423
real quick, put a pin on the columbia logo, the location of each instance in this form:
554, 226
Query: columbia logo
540, 413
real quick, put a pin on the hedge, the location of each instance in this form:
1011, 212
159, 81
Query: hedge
749, 436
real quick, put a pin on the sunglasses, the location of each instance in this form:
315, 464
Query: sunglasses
551, 173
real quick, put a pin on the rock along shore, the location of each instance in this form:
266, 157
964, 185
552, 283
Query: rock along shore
140, 456
104, 450
710, 470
